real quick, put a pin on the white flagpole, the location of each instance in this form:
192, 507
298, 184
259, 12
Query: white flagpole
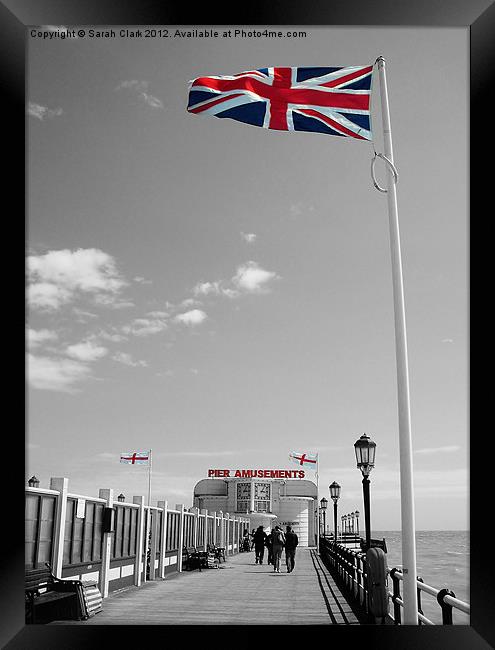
405, 441
149, 481
318, 502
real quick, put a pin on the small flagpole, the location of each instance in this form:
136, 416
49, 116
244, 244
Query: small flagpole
318, 502
405, 441
149, 481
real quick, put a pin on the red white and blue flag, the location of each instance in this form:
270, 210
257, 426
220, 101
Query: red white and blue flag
135, 457
304, 460
328, 100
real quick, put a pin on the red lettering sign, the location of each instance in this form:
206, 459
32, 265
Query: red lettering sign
256, 473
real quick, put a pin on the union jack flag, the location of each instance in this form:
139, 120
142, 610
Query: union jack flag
334, 100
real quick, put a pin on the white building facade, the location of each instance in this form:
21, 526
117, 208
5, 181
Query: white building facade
266, 502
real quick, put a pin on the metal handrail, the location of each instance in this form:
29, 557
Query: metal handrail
445, 598
350, 565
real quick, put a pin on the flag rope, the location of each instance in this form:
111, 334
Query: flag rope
392, 169
390, 164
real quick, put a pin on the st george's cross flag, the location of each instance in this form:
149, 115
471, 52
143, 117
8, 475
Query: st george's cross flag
304, 460
135, 457
332, 100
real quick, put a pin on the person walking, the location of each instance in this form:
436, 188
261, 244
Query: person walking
291, 541
278, 541
269, 547
251, 535
246, 544
259, 544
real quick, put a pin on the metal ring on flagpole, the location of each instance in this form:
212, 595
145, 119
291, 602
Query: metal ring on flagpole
391, 167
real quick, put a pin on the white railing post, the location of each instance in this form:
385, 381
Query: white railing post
139, 541
163, 547
220, 522
153, 543
195, 525
180, 508
227, 532
106, 550
204, 512
61, 485
147, 526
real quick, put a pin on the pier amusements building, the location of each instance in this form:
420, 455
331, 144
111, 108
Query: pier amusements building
267, 497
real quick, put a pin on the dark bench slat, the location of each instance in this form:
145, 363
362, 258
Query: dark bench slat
49, 596
42, 589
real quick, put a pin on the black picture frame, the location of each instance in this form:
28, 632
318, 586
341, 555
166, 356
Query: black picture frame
476, 15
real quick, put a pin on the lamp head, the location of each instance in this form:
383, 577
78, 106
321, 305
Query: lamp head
365, 454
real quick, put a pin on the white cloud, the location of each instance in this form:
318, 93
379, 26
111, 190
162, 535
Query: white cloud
86, 351
112, 336
158, 314
190, 302
166, 373
231, 293
250, 277
82, 315
447, 340
57, 277
438, 450
45, 295
249, 237
297, 209
109, 300
207, 288
141, 89
41, 112
127, 360
37, 337
145, 326
193, 317
133, 84
151, 100
55, 374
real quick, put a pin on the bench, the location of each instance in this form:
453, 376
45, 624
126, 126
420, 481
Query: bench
218, 552
48, 598
192, 558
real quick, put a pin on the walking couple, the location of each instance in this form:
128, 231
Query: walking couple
276, 541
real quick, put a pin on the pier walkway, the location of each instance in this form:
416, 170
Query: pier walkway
238, 592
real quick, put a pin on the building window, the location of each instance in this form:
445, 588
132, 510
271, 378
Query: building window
243, 497
262, 496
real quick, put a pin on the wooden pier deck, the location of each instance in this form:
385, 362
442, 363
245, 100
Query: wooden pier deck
239, 592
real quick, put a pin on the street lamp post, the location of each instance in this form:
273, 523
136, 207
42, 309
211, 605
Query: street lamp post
365, 457
324, 504
334, 495
356, 514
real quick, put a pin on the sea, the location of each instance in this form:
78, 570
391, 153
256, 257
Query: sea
442, 561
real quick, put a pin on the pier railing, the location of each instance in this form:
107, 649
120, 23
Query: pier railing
444, 597
349, 567
118, 543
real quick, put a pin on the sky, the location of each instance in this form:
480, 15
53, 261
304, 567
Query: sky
222, 294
